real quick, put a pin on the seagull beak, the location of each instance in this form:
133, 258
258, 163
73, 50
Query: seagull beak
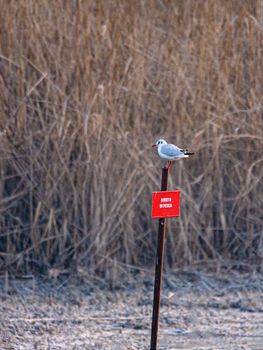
154, 145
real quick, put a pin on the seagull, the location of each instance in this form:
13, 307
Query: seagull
171, 152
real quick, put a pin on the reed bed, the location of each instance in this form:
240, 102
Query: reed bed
86, 88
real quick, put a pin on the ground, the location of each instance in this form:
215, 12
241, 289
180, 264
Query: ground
198, 311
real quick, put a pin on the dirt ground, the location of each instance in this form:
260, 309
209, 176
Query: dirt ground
198, 311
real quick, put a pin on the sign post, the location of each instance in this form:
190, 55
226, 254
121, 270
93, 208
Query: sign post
164, 204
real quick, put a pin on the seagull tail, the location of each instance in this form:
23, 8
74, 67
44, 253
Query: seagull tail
186, 153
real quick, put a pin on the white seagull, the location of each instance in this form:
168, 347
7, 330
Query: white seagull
170, 152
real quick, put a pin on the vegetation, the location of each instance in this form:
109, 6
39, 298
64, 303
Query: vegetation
86, 88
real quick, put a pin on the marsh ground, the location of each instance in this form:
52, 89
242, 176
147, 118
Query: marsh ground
198, 311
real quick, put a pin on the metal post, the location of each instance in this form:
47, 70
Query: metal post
158, 269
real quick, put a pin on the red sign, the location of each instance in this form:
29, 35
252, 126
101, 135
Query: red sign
165, 204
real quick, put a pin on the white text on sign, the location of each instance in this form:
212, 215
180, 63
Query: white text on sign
166, 205
163, 200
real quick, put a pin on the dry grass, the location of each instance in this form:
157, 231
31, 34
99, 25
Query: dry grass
86, 87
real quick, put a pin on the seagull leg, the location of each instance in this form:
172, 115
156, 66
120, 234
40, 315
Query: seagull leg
168, 165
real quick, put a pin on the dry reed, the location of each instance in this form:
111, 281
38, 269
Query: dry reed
86, 87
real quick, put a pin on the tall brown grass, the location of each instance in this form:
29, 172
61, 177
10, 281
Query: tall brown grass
86, 87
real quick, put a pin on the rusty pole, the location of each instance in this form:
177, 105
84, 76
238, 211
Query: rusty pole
158, 268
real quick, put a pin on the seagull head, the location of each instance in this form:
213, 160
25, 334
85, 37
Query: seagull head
159, 143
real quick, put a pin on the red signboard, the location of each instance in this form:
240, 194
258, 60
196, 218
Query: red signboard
165, 204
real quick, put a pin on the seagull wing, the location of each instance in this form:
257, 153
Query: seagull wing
171, 150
